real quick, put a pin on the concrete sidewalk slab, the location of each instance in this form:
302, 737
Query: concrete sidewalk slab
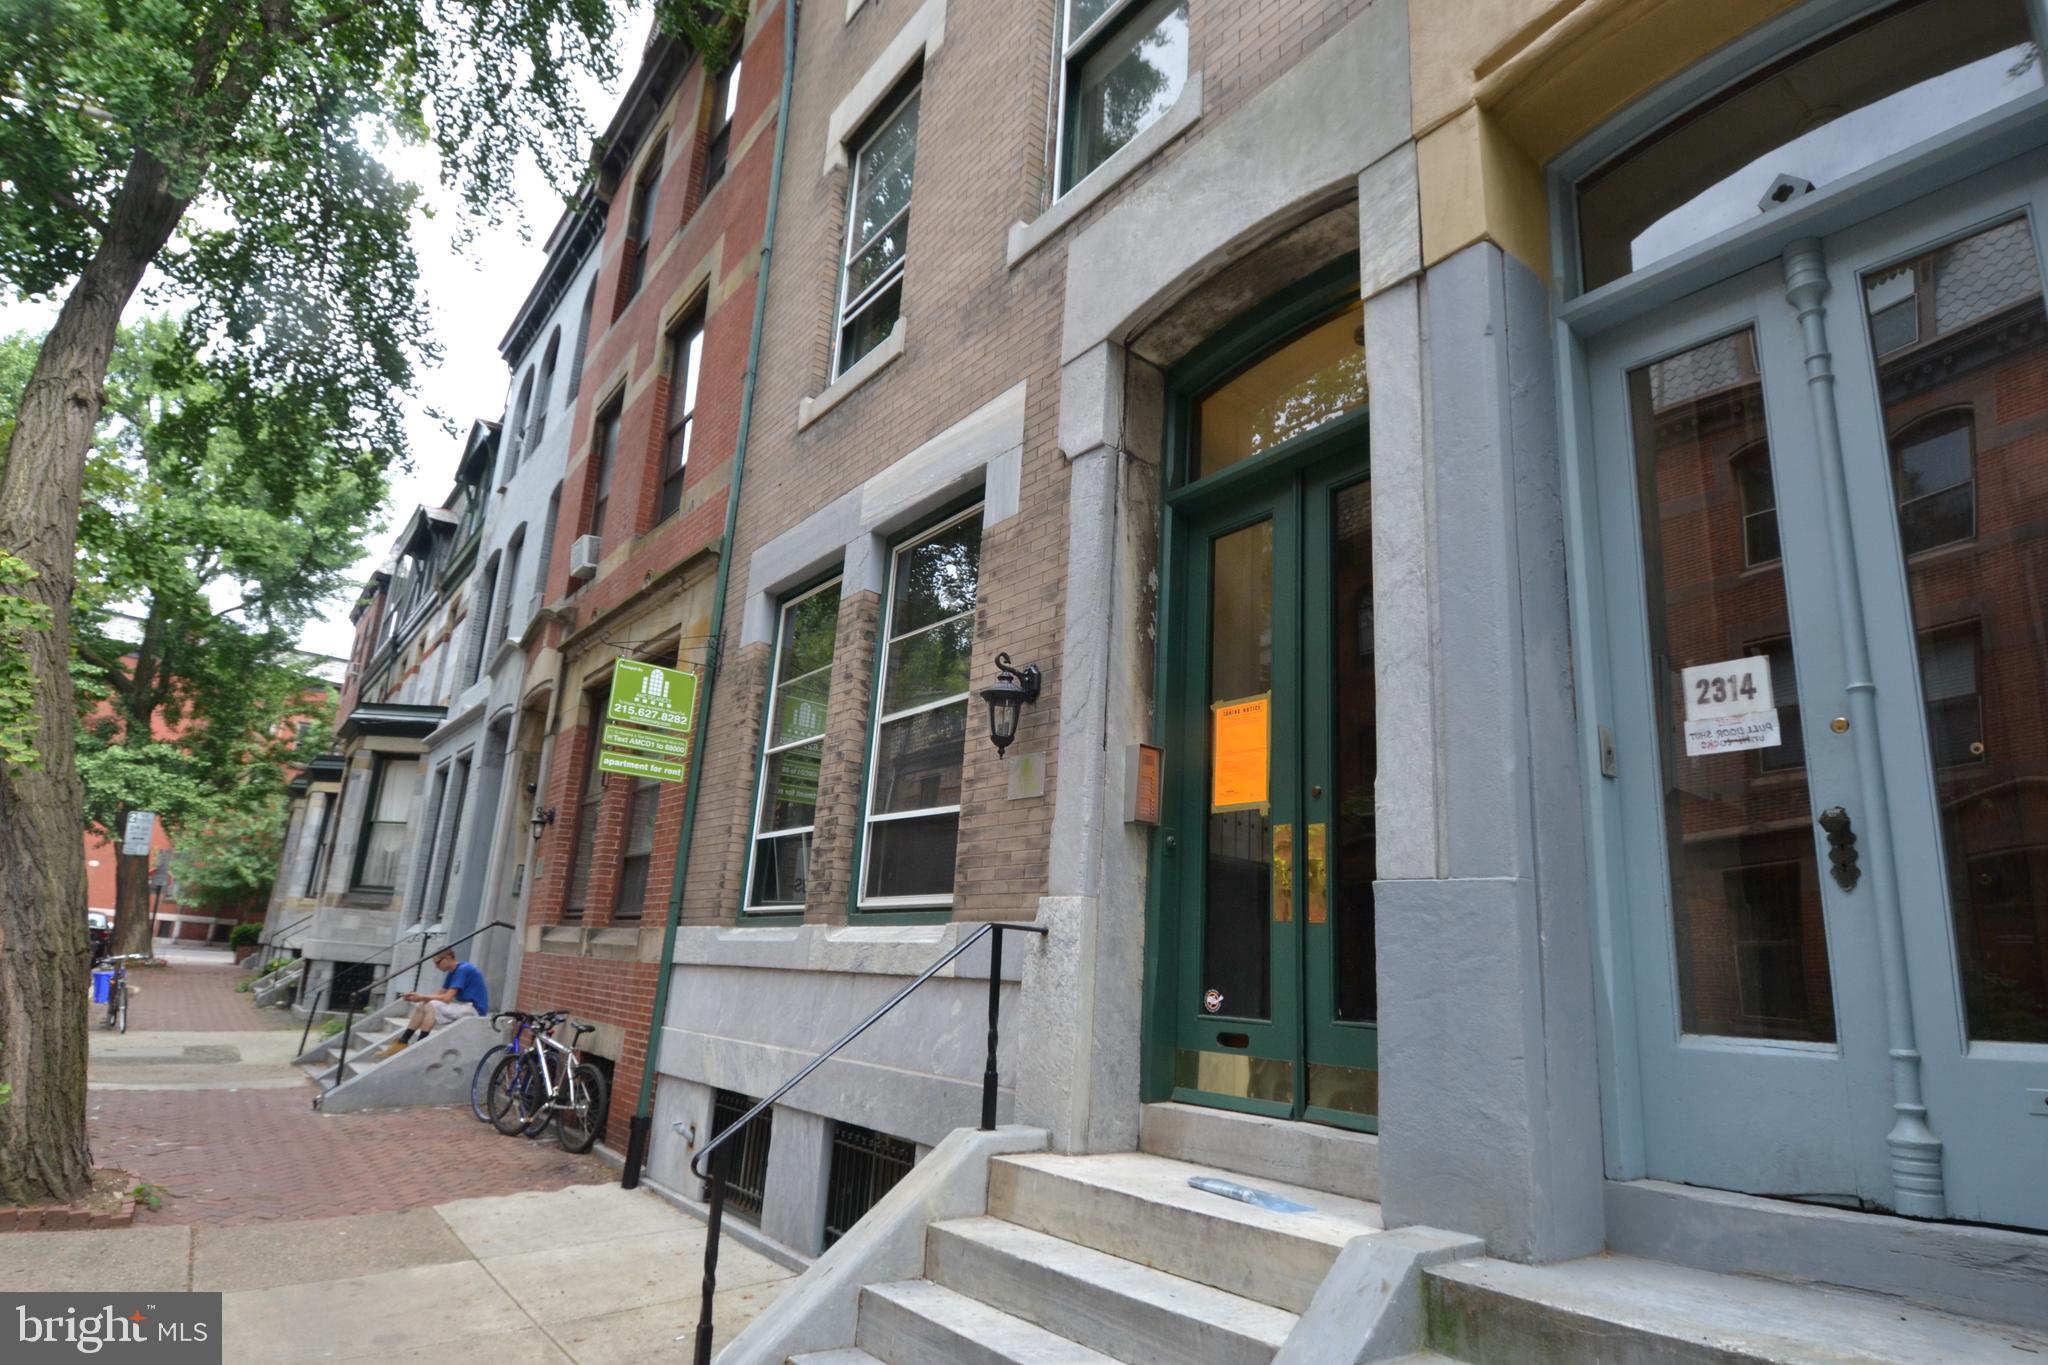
112, 1259
562, 1284
529, 1346
644, 1334
449, 1306
512, 1224
269, 1254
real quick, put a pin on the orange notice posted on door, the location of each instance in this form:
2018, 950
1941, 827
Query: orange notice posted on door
1241, 753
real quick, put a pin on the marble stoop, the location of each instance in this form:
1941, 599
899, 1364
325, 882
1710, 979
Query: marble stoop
1624, 1310
1108, 1258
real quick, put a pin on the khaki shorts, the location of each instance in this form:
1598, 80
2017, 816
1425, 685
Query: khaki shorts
448, 1011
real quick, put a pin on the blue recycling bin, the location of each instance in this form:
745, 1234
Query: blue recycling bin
102, 986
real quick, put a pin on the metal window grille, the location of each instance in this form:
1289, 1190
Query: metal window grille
865, 1166
747, 1176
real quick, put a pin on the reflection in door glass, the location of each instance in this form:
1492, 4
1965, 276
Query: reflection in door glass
1965, 395
1745, 890
1357, 756
1236, 940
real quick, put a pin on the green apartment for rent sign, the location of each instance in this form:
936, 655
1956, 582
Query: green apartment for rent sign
655, 706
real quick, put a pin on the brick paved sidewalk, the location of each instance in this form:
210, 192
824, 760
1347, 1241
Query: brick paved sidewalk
187, 997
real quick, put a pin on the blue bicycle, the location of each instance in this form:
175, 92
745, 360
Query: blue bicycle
520, 1044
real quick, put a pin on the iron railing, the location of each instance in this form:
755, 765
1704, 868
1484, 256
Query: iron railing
263, 946
718, 1172
865, 1166
348, 1029
746, 1185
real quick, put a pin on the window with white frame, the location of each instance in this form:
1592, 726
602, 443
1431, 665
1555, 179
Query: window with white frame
1122, 66
912, 826
387, 823
685, 358
884, 162
792, 751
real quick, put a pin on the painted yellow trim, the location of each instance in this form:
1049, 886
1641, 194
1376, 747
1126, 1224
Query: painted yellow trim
1474, 183
1599, 57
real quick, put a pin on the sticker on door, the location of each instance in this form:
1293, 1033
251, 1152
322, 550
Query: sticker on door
1729, 707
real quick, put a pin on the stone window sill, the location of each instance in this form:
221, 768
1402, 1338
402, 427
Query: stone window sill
809, 410
1026, 238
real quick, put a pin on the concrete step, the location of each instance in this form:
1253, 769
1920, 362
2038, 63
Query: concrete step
1622, 1310
916, 1322
1314, 1156
1140, 1207
848, 1355
1123, 1309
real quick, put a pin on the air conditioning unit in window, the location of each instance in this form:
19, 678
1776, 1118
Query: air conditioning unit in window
583, 556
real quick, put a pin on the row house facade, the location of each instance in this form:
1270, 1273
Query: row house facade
1521, 519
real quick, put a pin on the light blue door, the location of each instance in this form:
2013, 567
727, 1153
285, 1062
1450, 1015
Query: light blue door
1823, 498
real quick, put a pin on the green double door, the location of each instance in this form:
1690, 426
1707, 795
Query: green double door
1269, 817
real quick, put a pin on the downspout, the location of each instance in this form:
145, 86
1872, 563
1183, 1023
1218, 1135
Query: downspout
643, 1118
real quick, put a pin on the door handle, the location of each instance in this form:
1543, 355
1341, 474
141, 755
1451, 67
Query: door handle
1842, 856
1283, 872
1318, 873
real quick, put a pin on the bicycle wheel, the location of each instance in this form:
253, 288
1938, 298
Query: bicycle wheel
480, 1081
577, 1121
511, 1076
121, 1006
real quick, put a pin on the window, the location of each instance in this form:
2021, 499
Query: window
725, 103
1937, 484
480, 616
913, 808
877, 232
643, 803
518, 425
792, 751
1948, 681
387, 823
1770, 960
640, 221
322, 807
1122, 65
543, 392
1752, 469
507, 594
865, 1166
1790, 751
746, 1183
582, 340
1860, 94
546, 557
451, 860
589, 804
685, 354
604, 446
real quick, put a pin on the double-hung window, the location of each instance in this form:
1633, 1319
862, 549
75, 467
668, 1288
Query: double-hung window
636, 853
640, 222
589, 806
1122, 65
913, 805
877, 231
685, 354
725, 103
604, 447
792, 752
387, 827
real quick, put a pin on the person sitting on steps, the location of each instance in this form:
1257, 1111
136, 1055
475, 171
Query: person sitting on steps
462, 995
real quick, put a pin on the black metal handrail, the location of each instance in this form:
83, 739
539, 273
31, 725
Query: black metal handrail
326, 994
265, 945
716, 1172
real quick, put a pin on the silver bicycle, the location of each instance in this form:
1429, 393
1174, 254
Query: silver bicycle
549, 1080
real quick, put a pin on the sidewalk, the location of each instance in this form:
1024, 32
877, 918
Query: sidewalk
591, 1274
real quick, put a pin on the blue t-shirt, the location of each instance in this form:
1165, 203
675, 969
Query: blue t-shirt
468, 984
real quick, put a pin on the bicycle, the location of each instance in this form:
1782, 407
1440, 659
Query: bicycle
551, 1081
117, 989
480, 1079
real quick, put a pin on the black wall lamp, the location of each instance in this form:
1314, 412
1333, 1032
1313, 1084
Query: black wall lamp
1013, 688
542, 818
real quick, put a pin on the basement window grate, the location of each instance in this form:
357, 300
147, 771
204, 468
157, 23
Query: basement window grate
747, 1180
865, 1166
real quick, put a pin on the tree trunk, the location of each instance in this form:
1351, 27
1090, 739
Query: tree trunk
131, 902
43, 952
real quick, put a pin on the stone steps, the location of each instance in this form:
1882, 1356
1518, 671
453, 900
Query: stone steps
1309, 1155
1622, 1310
916, 1322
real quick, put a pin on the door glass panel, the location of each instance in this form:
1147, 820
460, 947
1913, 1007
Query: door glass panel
1357, 757
1745, 888
1857, 96
1238, 883
1966, 410
1317, 377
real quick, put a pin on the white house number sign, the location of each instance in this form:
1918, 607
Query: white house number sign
1729, 706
